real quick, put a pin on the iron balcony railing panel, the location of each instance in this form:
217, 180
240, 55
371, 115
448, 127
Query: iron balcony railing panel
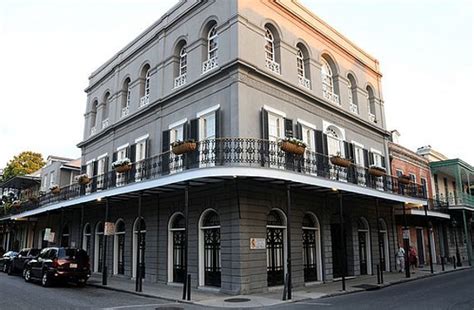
234, 152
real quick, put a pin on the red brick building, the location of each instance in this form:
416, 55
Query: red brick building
426, 228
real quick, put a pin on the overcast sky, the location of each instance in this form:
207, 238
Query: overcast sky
48, 49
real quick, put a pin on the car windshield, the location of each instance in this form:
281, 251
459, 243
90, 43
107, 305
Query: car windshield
9, 253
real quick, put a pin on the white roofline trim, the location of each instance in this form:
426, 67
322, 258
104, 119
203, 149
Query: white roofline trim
224, 172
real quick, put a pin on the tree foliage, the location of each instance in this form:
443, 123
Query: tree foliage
23, 163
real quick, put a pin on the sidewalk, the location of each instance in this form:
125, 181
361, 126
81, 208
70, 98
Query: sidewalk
211, 298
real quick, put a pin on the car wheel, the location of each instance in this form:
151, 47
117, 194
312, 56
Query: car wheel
10, 270
45, 280
27, 275
5, 268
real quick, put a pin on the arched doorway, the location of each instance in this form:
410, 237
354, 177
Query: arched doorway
365, 262
86, 238
98, 247
311, 248
135, 257
176, 248
119, 247
65, 236
276, 237
210, 249
383, 245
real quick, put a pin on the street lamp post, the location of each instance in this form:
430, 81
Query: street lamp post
458, 256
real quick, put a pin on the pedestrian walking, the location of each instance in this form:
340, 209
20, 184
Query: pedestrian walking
413, 259
400, 255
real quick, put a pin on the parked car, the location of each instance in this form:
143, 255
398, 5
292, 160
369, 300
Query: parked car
19, 262
59, 264
6, 260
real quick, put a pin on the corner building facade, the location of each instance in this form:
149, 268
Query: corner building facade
236, 210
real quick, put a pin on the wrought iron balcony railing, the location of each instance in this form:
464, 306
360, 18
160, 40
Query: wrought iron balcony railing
233, 152
457, 199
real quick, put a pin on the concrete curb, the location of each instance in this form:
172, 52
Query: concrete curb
405, 280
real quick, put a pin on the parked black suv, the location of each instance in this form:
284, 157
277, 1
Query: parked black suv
6, 260
19, 262
59, 264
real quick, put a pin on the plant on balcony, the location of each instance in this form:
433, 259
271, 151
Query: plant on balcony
377, 171
55, 189
33, 199
182, 147
292, 146
16, 204
122, 165
340, 161
83, 179
404, 179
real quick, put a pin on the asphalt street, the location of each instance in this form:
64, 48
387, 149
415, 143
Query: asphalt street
449, 291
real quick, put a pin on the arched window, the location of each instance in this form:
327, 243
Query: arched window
311, 248
119, 247
99, 247
300, 63
176, 248
334, 137
276, 247
302, 66
365, 259
87, 238
210, 249
212, 49
371, 104
126, 93
182, 71
65, 236
352, 94
94, 117
271, 61
327, 76
105, 110
138, 255
145, 86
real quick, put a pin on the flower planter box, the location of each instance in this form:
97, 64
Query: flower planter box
183, 148
55, 190
33, 199
376, 171
292, 148
123, 168
341, 162
16, 204
404, 179
83, 180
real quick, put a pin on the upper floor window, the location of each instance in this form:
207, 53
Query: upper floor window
126, 98
212, 48
182, 71
329, 91
334, 137
371, 104
105, 111
352, 94
94, 117
145, 86
302, 66
271, 61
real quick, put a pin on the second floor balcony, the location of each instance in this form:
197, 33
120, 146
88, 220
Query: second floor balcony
244, 156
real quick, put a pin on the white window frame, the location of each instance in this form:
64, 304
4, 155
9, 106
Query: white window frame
300, 63
269, 45
380, 155
183, 61
175, 130
212, 37
140, 155
356, 157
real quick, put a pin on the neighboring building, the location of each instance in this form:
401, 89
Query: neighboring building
427, 229
235, 78
452, 185
59, 171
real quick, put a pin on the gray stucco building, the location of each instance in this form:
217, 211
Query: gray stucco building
237, 210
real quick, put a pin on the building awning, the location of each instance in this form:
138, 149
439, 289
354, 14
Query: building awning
21, 182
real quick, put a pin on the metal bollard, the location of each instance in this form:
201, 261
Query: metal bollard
285, 287
454, 262
185, 288
189, 287
442, 263
378, 274
381, 275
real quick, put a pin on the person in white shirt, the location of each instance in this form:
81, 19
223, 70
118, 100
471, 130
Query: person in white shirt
400, 255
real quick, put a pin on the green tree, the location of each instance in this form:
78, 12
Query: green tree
23, 163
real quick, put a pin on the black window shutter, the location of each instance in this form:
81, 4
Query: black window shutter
165, 156
347, 151
321, 150
371, 158
218, 123
147, 148
114, 157
325, 144
83, 169
133, 153
366, 158
383, 161
264, 124
351, 152
288, 128
318, 134
194, 129
299, 131
94, 173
